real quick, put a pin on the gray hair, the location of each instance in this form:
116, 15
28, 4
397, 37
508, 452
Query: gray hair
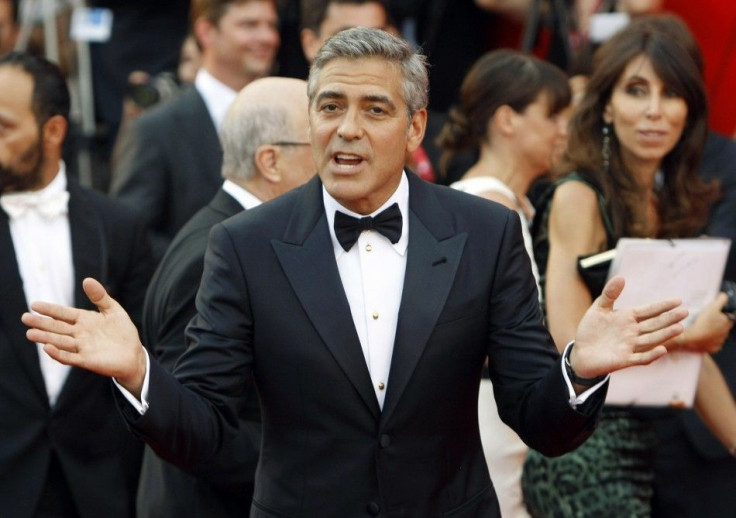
244, 131
363, 42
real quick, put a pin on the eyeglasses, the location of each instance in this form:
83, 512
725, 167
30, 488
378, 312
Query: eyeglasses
288, 143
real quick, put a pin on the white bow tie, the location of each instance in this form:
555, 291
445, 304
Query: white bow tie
17, 205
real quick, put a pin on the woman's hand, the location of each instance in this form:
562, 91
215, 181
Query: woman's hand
708, 332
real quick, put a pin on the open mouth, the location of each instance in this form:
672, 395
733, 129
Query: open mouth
347, 160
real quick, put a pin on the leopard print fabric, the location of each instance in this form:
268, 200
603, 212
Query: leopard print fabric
609, 476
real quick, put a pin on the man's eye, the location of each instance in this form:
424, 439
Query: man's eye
376, 110
331, 107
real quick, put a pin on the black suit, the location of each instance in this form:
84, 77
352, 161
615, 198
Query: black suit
221, 488
99, 459
170, 165
272, 306
695, 475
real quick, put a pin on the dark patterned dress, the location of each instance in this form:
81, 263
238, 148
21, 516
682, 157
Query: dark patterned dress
611, 474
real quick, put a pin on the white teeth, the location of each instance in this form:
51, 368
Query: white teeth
341, 156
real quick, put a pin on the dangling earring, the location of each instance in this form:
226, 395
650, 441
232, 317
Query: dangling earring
606, 147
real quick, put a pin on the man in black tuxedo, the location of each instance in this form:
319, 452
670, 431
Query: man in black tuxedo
63, 452
265, 139
170, 160
365, 339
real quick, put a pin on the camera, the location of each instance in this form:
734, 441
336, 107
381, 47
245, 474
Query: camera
160, 87
729, 288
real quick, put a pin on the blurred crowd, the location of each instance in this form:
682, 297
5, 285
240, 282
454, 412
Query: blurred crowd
199, 114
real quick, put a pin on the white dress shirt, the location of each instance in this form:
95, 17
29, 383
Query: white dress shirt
217, 96
43, 250
372, 275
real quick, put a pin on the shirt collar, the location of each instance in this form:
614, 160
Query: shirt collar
217, 96
400, 196
241, 195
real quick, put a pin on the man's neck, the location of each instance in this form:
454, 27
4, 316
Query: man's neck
234, 80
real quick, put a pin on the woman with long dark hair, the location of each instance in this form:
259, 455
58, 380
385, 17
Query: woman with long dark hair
631, 171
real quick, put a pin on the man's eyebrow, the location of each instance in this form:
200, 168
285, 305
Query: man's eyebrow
329, 94
379, 99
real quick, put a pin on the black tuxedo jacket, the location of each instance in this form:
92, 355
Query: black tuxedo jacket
97, 455
169, 167
220, 488
271, 306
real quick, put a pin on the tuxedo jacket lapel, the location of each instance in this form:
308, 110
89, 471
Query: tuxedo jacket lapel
12, 305
433, 257
90, 259
89, 250
306, 256
432, 260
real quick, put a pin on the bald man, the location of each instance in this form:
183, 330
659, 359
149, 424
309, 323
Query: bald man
266, 153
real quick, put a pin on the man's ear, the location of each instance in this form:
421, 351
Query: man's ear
311, 44
267, 162
417, 127
204, 32
54, 131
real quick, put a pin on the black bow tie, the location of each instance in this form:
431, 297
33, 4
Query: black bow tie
387, 222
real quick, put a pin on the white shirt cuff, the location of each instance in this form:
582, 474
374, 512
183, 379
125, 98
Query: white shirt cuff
575, 399
141, 405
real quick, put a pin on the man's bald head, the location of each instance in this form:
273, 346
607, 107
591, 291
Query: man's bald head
268, 122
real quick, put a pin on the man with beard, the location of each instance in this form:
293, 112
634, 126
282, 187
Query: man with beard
64, 452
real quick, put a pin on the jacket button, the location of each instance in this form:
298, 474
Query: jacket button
385, 441
373, 508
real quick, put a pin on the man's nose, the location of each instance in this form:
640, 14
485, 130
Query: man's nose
268, 34
350, 127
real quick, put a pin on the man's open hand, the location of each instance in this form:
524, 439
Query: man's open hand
608, 340
105, 342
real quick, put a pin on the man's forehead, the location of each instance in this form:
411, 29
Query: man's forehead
16, 86
374, 73
340, 16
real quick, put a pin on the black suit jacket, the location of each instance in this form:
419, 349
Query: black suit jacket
271, 306
100, 460
169, 166
223, 487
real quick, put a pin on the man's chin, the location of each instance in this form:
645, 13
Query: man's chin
11, 182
